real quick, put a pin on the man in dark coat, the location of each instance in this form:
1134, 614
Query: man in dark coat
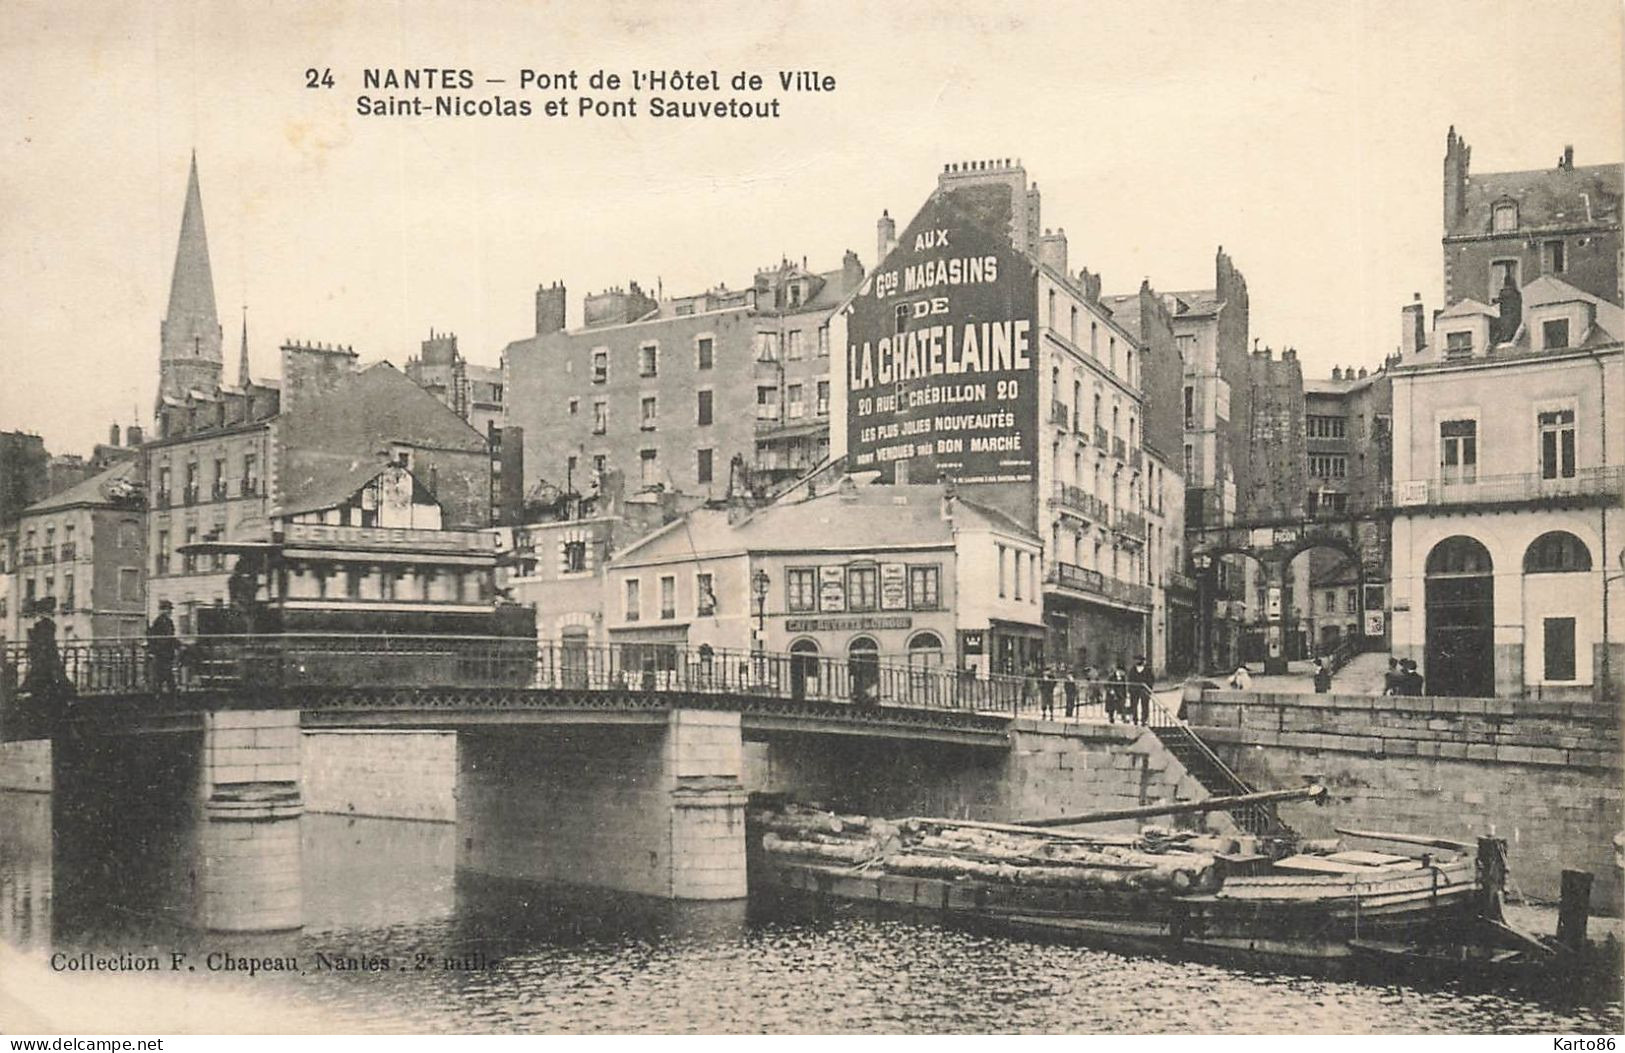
1144, 681
1117, 701
162, 647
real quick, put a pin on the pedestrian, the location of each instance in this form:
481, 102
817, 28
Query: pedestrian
161, 648
1412, 683
1046, 692
1144, 681
1241, 679
1117, 700
1323, 677
1393, 678
44, 678
1070, 688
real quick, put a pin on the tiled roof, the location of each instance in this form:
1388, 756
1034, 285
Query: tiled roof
99, 489
1552, 197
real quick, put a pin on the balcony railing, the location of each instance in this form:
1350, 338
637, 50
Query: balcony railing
189, 496
1059, 414
1079, 500
67, 551
1135, 457
161, 498
1176, 580
1100, 436
30, 556
249, 487
1598, 482
1081, 579
1129, 524
220, 490
1119, 448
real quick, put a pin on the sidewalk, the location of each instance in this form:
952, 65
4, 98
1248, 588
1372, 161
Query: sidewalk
1362, 676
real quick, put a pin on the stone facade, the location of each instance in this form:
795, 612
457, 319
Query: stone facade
1542, 774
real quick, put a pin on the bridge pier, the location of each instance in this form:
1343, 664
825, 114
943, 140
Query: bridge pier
655, 807
248, 847
201, 827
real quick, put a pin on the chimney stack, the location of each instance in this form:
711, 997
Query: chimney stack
549, 308
132, 435
885, 237
1412, 337
112, 435
1052, 250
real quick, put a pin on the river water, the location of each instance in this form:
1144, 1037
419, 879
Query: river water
467, 955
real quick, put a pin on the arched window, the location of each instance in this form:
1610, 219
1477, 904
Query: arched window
925, 651
1459, 555
1556, 552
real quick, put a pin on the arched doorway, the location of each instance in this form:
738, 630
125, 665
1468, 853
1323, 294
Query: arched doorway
803, 668
1460, 601
1555, 637
863, 665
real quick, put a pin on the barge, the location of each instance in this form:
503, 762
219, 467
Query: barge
1281, 902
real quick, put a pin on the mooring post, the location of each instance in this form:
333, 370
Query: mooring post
1574, 909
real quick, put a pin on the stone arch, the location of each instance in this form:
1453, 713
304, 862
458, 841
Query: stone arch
1557, 552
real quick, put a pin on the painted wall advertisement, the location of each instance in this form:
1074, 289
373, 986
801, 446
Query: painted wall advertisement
942, 373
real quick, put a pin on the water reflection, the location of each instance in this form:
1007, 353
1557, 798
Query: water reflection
397, 940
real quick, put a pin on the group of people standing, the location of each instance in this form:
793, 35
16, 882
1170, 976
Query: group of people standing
1125, 693
1402, 678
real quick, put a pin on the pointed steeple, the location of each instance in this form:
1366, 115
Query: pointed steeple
190, 353
243, 377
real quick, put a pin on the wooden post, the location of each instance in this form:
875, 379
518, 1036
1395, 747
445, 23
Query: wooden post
1574, 909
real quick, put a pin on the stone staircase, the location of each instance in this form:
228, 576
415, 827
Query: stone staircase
1216, 777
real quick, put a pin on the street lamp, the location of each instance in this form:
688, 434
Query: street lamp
759, 584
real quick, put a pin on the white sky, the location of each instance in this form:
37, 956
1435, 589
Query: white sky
1307, 138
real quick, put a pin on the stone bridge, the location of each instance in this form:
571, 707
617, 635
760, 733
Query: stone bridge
621, 767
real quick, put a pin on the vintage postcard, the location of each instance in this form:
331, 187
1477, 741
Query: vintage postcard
844, 517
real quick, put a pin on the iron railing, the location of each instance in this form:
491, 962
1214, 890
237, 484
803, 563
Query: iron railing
1059, 413
1119, 448
1082, 501
213, 664
1604, 481
1129, 524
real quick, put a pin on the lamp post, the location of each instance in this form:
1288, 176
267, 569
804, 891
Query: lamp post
759, 584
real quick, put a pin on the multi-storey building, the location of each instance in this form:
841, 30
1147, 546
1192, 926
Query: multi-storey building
973, 353
912, 574
240, 478
80, 559
1507, 465
1517, 226
725, 391
475, 393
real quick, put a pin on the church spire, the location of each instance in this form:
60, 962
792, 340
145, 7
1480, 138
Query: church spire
190, 352
243, 377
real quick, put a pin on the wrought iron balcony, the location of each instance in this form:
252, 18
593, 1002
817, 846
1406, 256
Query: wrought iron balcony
1075, 498
219, 491
1135, 457
189, 496
30, 556
47, 554
1081, 579
67, 551
1176, 580
249, 487
1059, 414
1100, 436
1119, 448
1587, 485
1129, 524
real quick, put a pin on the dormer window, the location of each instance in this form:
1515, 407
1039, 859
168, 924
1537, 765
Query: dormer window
1504, 217
1458, 345
1555, 334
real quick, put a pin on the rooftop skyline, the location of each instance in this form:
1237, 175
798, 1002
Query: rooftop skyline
1307, 143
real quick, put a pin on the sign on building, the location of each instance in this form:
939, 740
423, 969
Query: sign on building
832, 589
942, 373
893, 587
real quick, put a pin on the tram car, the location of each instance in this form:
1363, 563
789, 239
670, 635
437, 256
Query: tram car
262, 645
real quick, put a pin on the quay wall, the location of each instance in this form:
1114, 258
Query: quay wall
26, 765
1545, 775
1046, 769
